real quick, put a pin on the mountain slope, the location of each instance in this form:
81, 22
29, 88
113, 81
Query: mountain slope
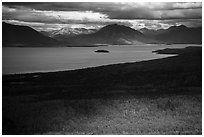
67, 32
181, 34
112, 34
15, 35
151, 32
176, 35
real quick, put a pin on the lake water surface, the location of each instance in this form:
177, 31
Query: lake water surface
27, 60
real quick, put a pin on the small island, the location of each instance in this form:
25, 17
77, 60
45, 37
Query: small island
102, 51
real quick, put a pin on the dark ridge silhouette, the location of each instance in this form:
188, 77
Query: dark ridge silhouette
15, 35
176, 35
151, 32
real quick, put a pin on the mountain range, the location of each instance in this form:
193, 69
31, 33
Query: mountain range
111, 34
15, 35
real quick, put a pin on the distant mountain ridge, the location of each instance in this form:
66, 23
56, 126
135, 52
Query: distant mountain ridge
176, 35
151, 32
16, 35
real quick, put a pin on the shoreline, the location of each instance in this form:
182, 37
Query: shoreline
65, 70
87, 75
71, 69
165, 51
161, 96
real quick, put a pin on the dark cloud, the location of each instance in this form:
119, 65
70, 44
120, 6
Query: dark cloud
121, 10
63, 6
103, 6
103, 13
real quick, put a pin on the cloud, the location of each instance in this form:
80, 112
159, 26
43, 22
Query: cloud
37, 25
152, 15
56, 17
32, 15
102, 6
128, 10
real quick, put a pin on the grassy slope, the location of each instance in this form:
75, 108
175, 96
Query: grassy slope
162, 96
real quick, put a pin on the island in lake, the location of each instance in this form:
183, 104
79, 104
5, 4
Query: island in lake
102, 51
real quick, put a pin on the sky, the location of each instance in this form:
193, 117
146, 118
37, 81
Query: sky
49, 16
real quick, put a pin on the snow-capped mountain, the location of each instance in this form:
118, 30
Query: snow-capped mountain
68, 32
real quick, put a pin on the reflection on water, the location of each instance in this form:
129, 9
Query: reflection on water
23, 60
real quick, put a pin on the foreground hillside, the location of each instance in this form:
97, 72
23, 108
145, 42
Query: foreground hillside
162, 96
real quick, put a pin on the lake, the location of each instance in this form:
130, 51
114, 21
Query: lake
28, 60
